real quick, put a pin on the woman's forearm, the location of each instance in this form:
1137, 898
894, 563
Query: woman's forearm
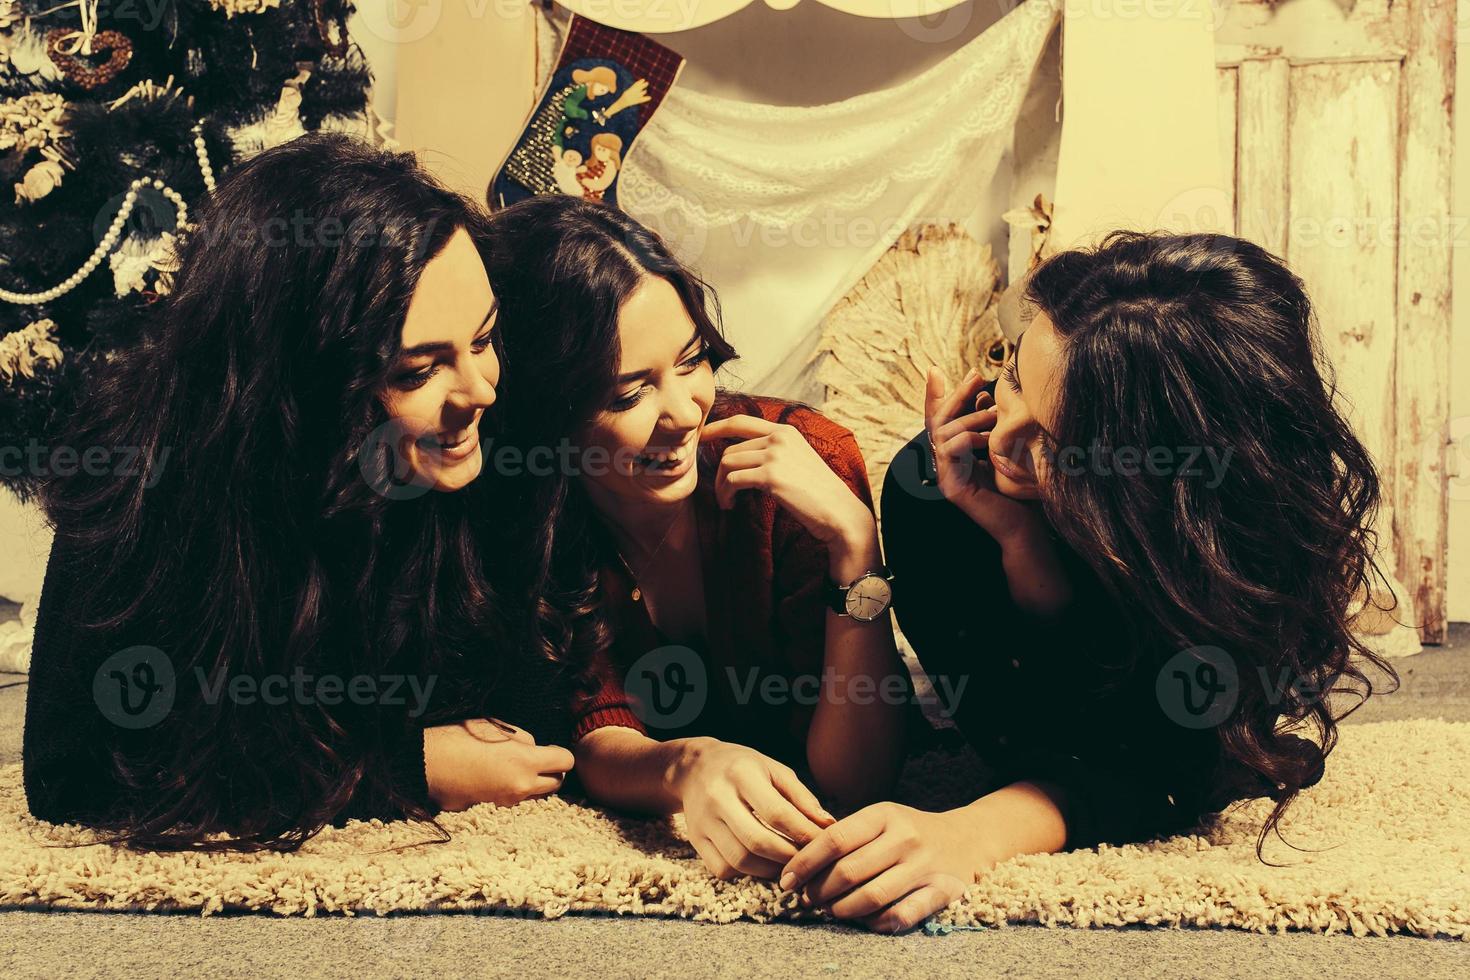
855, 742
624, 768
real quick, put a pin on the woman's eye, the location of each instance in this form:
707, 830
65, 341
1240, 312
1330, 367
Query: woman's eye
1010, 376
482, 342
627, 401
697, 359
416, 379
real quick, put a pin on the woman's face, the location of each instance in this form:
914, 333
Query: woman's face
648, 433
1025, 399
446, 371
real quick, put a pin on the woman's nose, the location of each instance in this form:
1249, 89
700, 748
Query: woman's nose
683, 409
478, 387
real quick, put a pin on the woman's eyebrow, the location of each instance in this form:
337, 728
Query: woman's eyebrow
640, 375
438, 346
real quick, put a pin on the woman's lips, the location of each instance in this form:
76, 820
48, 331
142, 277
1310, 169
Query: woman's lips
670, 462
463, 446
1009, 469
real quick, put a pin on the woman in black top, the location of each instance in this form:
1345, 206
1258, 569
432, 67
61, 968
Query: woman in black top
1124, 565
266, 609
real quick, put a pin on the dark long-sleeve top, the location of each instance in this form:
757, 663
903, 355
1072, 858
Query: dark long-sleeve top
1045, 699
75, 718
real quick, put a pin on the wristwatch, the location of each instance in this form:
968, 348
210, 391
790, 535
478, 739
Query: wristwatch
865, 598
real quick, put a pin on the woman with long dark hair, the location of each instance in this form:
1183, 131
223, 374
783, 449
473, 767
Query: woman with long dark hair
1133, 555
718, 551
286, 615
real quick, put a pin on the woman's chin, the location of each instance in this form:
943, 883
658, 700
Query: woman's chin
673, 490
1017, 489
458, 475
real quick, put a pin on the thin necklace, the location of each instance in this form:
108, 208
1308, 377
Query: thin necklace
637, 594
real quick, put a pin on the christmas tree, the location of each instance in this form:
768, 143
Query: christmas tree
115, 117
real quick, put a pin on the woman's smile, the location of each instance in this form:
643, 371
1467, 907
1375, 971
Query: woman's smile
670, 462
456, 445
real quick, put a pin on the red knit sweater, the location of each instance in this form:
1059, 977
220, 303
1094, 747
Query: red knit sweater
765, 610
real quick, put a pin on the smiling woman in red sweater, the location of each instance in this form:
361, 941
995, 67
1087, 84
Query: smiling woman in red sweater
717, 552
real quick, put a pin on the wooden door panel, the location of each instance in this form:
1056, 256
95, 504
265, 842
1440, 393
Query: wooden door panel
1342, 187
1342, 136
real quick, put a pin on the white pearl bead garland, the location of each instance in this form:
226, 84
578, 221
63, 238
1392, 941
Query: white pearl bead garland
109, 239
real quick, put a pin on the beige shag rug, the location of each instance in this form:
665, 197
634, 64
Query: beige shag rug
1386, 833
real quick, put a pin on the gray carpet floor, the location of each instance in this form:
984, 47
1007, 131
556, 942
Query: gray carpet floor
1436, 684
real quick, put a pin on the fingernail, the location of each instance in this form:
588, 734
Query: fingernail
787, 880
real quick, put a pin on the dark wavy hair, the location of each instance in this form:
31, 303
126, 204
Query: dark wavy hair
1210, 341
562, 267
261, 547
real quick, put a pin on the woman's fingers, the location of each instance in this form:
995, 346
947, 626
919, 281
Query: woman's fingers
755, 837
853, 870
790, 786
950, 405
964, 445
550, 759
935, 384
832, 844
730, 482
877, 893
981, 421
742, 457
778, 813
736, 855
737, 427
909, 911
713, 860
544, 785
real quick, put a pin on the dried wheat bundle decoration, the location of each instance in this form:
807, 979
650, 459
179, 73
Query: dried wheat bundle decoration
932, 300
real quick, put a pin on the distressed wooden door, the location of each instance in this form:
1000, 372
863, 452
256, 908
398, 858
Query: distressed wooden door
1340, 117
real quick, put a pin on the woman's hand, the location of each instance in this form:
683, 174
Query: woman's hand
745, 812
965, 480
892, 866
777, 459
889, 865
483, 760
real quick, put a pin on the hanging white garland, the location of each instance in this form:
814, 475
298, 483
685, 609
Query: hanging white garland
114, 230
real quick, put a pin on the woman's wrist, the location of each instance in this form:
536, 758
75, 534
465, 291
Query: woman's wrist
854, 549
684, 756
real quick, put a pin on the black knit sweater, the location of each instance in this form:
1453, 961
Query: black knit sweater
91, 695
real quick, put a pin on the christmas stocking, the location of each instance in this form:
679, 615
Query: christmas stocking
604, 89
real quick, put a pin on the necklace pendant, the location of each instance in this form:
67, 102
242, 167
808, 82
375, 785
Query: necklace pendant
637, 594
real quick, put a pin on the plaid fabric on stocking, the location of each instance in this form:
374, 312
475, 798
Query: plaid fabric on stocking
602, 92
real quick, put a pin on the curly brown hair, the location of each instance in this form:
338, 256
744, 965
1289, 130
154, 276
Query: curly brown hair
1210, 341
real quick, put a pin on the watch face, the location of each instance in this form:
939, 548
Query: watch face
868, 598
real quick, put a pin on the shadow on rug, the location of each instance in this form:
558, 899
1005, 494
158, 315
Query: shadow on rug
1386, 838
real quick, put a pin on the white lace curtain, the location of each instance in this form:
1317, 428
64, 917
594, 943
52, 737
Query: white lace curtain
783, 208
